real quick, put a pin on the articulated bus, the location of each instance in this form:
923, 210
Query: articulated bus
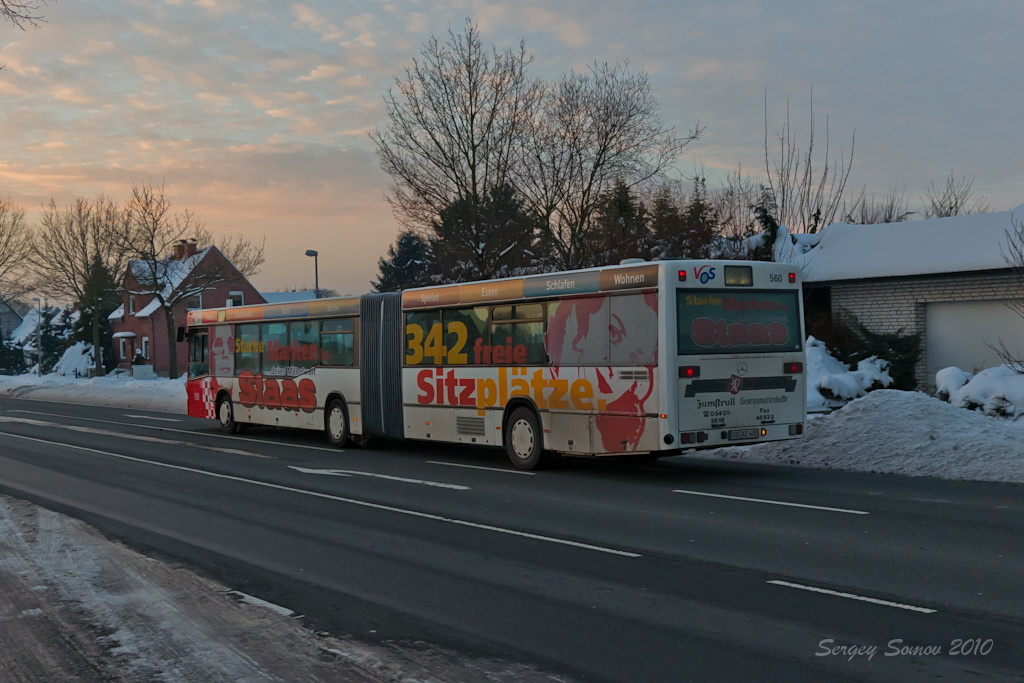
648, 358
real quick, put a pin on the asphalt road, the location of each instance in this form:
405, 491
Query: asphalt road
603, 570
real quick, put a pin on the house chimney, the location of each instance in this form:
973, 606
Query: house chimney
183, 249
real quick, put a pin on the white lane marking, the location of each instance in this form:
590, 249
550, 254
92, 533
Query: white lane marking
148, 417
341, 499
851, 596
771, 502
479, 467
131, 437
182, 431
346, 473
253, 600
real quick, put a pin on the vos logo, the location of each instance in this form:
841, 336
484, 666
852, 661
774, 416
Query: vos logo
705, 274
254, 390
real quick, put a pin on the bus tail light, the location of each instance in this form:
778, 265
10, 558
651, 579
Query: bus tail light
796, 430
693, 437
689, 371
793, 368
792, 278
682, 275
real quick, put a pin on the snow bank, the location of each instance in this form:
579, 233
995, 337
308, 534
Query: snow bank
899, 432
124, 392
996, 391
831, 383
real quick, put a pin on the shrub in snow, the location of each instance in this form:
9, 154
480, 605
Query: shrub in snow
75, 362
948, 380
997, 391
831, 383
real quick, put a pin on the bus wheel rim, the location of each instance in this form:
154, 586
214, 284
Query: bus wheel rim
522, 439
336, 423
225, 412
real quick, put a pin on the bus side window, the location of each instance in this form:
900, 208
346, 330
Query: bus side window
465, 336
275, 348
337, 342
424, 343
198, 352
633, 329
304, 350
247, 348
517, 335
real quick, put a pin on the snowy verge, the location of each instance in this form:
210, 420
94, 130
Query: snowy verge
899, 432
161, 395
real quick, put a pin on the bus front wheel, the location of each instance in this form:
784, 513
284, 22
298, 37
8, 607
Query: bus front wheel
524, 441
226, 416
336, 423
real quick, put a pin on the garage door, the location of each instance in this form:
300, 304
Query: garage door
959, 333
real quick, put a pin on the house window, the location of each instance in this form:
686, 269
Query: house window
122, 347
145, 348
194, 302
236, 299
131, 304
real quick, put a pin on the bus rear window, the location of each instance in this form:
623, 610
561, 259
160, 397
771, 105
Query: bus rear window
728, 321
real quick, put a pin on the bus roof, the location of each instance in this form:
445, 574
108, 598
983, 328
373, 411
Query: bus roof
318, 308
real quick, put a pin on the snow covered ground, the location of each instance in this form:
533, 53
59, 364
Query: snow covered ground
75, 606
123, 391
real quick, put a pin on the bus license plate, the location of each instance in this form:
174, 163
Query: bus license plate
750, 433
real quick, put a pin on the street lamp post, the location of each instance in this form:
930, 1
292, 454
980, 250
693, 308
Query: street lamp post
39, 335
316, 271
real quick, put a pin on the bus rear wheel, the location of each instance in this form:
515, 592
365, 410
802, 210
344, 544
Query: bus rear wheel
336, 423
524, 441
226, 416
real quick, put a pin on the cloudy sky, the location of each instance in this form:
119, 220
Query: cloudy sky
255, 113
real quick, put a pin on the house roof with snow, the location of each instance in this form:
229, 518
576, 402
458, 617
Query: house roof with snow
171, 270
937, 245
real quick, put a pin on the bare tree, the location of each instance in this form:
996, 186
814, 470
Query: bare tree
807, 197
733, 202
69, 241
955, 198
891, 207
22, 13
154, 229
15, 245
454, 123
591, 130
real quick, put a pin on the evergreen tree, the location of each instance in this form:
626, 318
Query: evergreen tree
764, 212
406, 264
12, 359
481, 239
620, 228
699, 224
50, 340
100, 297
666, 223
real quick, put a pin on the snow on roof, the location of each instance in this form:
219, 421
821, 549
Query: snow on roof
23, 332
149, 309
170, 271
288, 297
936, 245
118, 313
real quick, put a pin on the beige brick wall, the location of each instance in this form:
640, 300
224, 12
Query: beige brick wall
888, 304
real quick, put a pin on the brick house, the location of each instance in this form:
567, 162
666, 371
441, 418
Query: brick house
946, 278
139, 324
